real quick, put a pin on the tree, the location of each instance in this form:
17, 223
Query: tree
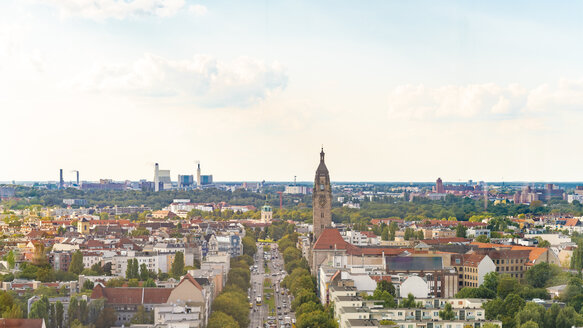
135, 269
308, 307
482, 239
249, 247
149, 283
220, 319
491, 281
494, 309
303, 282
83, 311
315, 319
106, 319
76, 265
304, 296
142, 316
531, 312
40, 309
88, 285
460, 231
567, 318
512, 304
129, 272
73, 311
388, 286
529, 324
177, 266
409, 302
52, 316
447, 313
10, 259
507, 285
97, 269
59, 312
234, 304
144, 272
539, 274
13, 312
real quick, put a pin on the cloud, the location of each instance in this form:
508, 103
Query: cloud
117, 9
197, 10
203, 80
489, 100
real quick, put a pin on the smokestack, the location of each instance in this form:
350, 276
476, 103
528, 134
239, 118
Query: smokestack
61, 183
77, 177
156, 178
198, 175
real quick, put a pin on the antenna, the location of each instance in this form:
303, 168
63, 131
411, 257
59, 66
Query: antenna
295, 180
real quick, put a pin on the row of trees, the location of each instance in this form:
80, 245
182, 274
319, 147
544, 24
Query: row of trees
309, 311
230, 308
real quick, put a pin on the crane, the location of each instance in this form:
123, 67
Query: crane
280, 199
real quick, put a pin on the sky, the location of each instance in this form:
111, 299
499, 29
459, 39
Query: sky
393, 90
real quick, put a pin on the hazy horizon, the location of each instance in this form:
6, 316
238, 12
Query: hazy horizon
395, 91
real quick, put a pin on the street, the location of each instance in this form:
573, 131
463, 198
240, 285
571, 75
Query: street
280, 314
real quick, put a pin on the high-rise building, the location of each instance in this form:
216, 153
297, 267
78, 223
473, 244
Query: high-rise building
439, 186
321, 198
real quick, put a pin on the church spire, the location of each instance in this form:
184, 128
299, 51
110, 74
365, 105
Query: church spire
322, 155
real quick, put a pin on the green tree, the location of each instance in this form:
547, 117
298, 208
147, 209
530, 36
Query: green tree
531, 312
315, 319
409, 302
144, 272
460, 231
76, 265
106, 319
567, 318
507, 285
512, 304
447, 313
529, 324
249, 247
539, 274
10, 259
233, 304
88, 285
149, 283
177, 266
142, 316
491, 281
135, 269
482, 239
73, 311
220, 319
13, 312
59, 314
308, 307
40, 309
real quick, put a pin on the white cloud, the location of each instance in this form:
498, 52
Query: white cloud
482, 100
203, 80
198, 10
117, 9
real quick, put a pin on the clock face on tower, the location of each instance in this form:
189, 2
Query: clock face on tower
322, 200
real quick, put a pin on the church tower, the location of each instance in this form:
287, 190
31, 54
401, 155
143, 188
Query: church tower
321, 199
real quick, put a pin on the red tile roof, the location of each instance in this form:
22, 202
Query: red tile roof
379, 278
131, 295
331, 239
369, 234
190, 279
571, 222
441, 241
473, 260
21, 323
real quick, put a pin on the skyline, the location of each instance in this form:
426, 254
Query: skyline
484, 91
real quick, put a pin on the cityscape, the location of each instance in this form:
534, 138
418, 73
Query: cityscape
291, 164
